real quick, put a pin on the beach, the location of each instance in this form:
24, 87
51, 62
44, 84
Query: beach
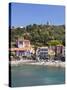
44, 63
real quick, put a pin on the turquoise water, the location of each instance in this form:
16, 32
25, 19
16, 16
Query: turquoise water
32, 75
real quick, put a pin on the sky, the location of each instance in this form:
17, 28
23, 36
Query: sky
25, 14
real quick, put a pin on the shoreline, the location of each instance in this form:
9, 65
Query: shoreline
44, 63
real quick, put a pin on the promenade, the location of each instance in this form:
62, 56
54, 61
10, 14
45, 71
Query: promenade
33, 62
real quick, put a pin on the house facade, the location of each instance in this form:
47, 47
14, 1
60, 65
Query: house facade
45, 53
42, 53
23, 48
58, 50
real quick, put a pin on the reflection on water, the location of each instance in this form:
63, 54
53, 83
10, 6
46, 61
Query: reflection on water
28, 75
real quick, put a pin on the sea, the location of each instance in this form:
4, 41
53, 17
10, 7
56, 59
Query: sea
36, 75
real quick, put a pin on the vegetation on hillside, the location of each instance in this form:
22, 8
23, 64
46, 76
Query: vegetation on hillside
40, 35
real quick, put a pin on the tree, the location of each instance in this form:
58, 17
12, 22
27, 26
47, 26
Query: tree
54, 43
40, 35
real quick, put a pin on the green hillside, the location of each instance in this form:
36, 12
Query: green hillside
40, 35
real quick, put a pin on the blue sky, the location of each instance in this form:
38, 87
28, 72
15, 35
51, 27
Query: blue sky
25, 14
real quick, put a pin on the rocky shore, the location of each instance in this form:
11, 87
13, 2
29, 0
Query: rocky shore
44, 63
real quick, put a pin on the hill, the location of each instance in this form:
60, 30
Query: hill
39, 35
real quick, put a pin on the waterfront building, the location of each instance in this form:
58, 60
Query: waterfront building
23, 48
42, 53
58, 51
21, 43
63, 51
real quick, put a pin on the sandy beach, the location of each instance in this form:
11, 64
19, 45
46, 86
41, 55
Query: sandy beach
44, 63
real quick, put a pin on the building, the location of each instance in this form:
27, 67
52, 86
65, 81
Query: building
42, 53
23, 48
21, 43
58, 51
63, 51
